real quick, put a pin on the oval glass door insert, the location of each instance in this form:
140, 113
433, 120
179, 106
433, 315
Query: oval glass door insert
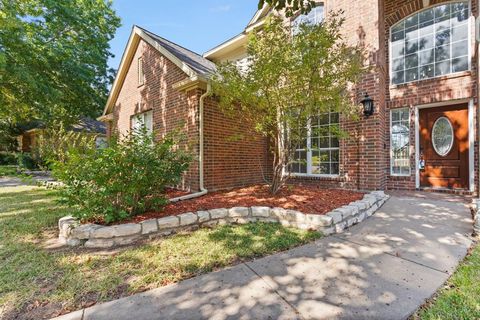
442, 136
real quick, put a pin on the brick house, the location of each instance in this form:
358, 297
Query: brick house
423, 80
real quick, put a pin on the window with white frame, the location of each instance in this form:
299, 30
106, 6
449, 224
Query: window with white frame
320, 152
142, 121
400, 142
430, 43
315, 16
141, 75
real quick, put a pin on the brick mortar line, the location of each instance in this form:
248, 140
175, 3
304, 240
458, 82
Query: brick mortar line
274, 290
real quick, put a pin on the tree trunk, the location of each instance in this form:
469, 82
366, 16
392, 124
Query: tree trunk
279, 164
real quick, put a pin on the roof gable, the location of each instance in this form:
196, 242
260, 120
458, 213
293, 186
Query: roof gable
193, 64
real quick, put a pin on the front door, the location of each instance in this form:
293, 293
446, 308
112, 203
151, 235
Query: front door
444, 147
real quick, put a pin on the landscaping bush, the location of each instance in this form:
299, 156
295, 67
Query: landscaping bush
8, 158
126, 178
26, 161
53, 144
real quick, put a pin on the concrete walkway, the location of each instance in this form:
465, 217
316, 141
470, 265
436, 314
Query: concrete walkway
384, 268
16, 182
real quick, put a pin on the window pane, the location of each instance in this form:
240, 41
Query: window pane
442, 37
398, 77
411, 74
442, 53
460, 64
335, 168
442, 68
426, 15
334, 117
411, 46
426, 41
427, 71
411, 61
398, 50
398, 36
442, 11
399, 26
460, 49
460, 33
426, 57
444, 29
411, 22
334, 155
149, 121
324, 119
324, 152
400, 141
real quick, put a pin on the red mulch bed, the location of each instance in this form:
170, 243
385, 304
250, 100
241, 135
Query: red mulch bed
175, 193
307, 199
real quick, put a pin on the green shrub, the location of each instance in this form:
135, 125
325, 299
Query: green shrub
8, 158
52, 144
26, 161
126, 178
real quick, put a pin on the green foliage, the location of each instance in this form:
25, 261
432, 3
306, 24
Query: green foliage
25, 160
124, 179
53, 58
288, 80
8, 158
290, 6
8, 171
29, 216
52, 145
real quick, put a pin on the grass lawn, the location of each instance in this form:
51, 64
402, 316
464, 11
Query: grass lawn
39, 283
8, 171
460, 299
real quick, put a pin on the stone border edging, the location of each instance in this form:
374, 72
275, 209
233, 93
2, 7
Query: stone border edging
336, 221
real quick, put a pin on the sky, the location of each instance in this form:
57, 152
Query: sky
198, 25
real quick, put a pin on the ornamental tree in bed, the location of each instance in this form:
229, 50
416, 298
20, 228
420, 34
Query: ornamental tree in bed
289, 80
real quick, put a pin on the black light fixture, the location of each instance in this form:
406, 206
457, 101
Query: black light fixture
368, 107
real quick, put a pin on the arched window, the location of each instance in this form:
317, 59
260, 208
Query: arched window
431, 43
315, 16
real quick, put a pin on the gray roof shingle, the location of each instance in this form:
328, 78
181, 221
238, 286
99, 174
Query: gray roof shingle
199, 64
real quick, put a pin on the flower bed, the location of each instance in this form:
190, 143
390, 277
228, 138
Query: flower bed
97, 236
307, 199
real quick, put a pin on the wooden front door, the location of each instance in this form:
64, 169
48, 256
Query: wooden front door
444, 147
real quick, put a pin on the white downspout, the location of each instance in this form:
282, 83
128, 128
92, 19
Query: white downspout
202, 191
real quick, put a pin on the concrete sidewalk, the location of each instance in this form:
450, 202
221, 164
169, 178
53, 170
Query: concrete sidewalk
384, 268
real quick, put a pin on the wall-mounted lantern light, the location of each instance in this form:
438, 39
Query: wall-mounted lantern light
368, 107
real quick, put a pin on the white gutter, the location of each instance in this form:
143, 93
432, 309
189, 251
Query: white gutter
477, 48
202, 191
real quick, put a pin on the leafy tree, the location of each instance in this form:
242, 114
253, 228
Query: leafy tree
289, 81
290, 6
53, 58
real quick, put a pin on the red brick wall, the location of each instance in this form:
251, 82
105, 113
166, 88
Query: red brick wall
362, 156
437, 90
234, 154
172, 110
365, 156
229, 161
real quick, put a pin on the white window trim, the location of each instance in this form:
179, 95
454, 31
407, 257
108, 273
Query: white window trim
309, 150
409, 145
452, 74
142, 115
140, 75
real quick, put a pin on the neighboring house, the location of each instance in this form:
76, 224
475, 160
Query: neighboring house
423, 80
26, 141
